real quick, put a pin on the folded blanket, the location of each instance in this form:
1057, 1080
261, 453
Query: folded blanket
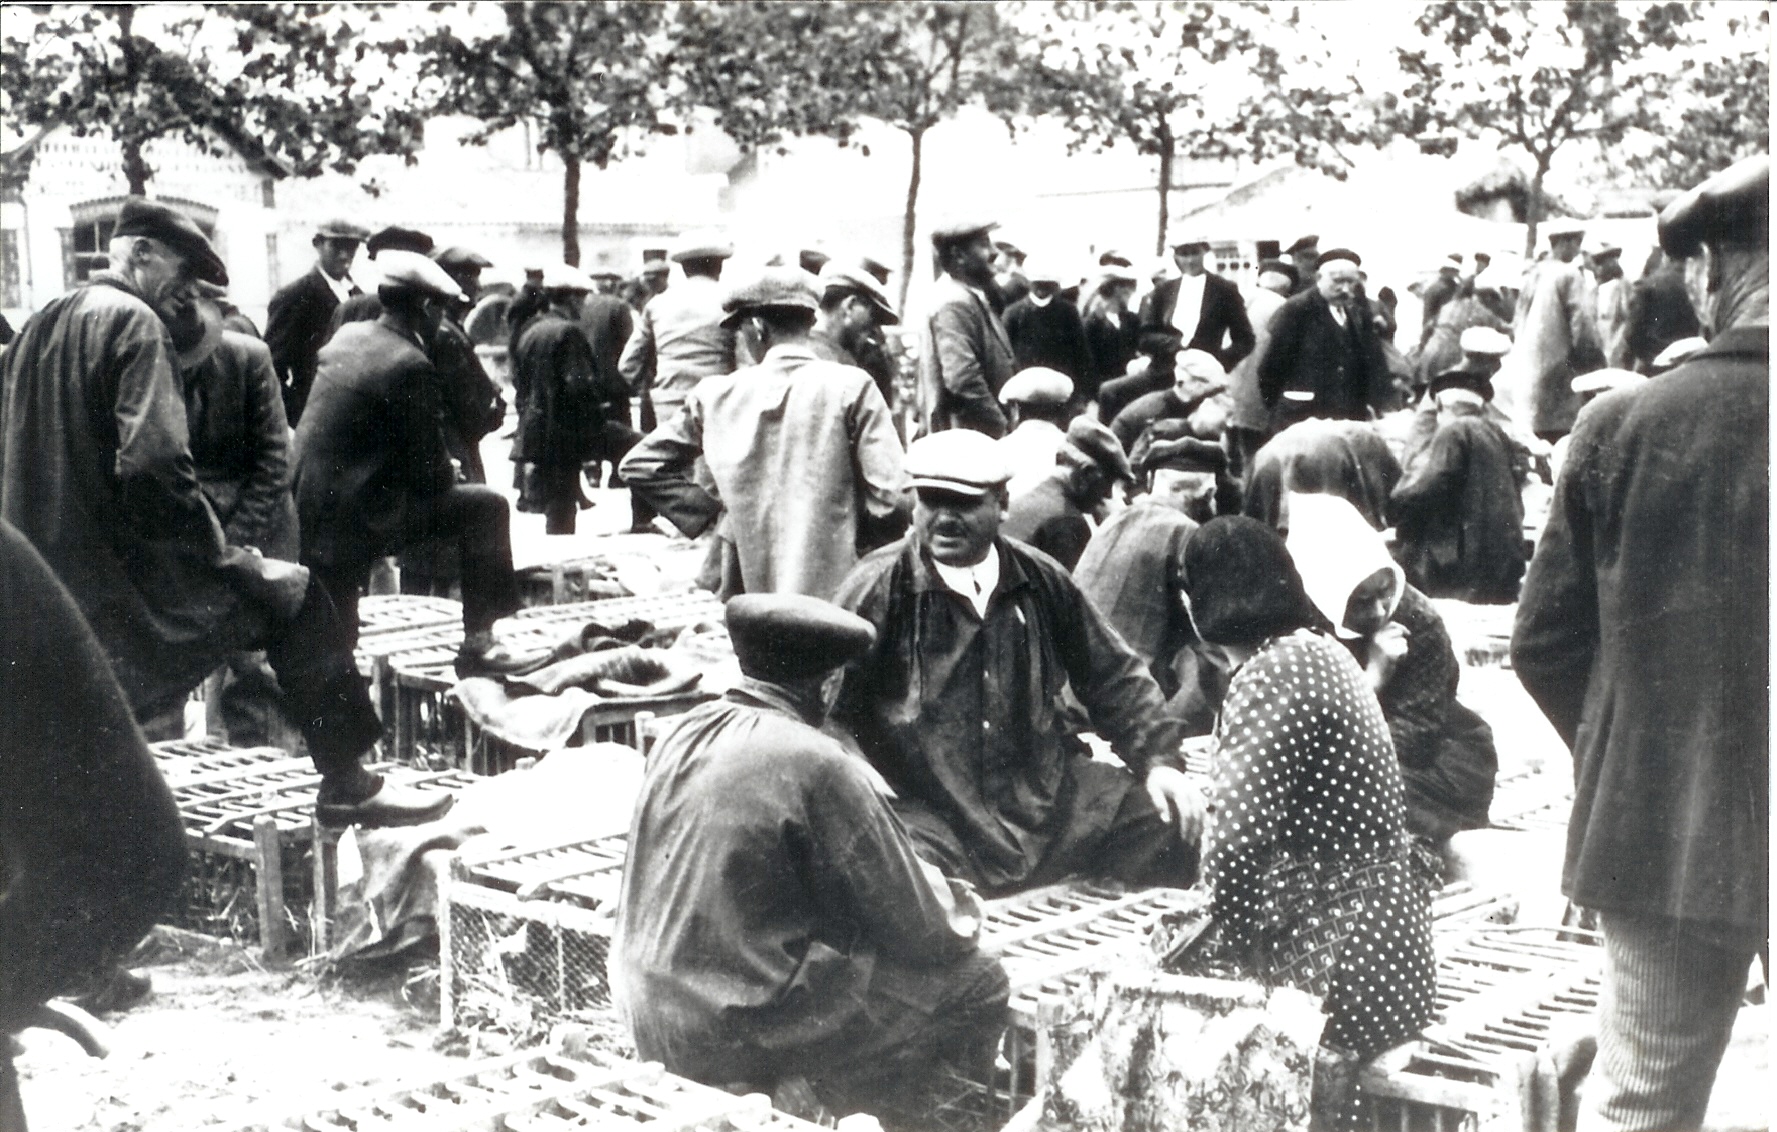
626, 671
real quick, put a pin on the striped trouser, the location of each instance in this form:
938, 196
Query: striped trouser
1671, 993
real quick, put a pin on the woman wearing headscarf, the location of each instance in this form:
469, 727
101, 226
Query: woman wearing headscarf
1313, 877
1445, 750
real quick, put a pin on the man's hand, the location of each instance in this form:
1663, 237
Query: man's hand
1179, 801
1387, 647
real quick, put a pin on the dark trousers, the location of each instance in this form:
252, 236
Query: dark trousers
323, 692
475, 517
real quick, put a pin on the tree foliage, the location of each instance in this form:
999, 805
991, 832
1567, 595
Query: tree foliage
279, 81
585, 76
1717, 108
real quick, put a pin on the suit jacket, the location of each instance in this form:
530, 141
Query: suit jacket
1643, 634
371, 441
964, 358
1341, 366
297, 323
240, 445
1222, 326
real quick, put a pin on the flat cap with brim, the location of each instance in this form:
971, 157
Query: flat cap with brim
1279, 267
1185, 454
783, 637
1605, 380
396, 238
875, 268
1564, 226
1484, 340
1734, 206
1303, 244
458, 258
957, 230
342, 229
958, 460
1189, 244
565, 277
702, 245
1112, 257
1200, 364
156, 221
1037, 385
415, 272
858, 281
773, 288
1346, 254
1100, 444
1677, 352
1459, 378
1113, 273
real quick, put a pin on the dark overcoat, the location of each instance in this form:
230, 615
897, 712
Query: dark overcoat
298, 321
1458, 517
1341, 367
240, 444
1644, 635
1222, 326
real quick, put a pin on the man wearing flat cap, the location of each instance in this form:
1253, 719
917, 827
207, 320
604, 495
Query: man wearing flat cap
1458, 514
802, 453
963, 703
1325, 358
473, 405
373, 473
848, 329
1133, 572
776, 929
96, 471
964, 354
1038, 407
300, 316
1304, 254
1052, 515
1644, 635
1196, 311
680, 338
1196, 377
1554, 338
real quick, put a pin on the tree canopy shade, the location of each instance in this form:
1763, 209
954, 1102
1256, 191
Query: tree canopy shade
284, 82
1719, 105
584, 75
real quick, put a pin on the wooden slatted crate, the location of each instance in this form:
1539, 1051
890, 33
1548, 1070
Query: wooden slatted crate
574, 580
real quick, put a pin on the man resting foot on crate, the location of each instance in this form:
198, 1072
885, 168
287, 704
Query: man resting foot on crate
96, 472
775, 923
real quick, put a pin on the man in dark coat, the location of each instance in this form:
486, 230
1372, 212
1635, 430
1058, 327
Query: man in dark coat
1051, 516
372, 471
1211, 317
963, 706
1458, 517
1643, 635
608, 322
776, 928
1325, 358
1196, 377
96, 470
1046, 330
1660, 311
300, 316
964, 354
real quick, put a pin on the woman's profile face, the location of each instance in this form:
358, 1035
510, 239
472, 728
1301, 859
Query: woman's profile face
1371, 603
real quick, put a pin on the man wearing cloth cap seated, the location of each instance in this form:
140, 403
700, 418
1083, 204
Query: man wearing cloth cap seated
775, 929
680, 338
1644, 636
963, 703
964, 354
802, 453
1458, 515
1051, 516
1325, 358
1037, 408
300, 316
1133, 572
373, 474
96, 471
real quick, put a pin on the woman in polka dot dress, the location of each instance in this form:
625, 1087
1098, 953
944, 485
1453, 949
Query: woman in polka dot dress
1314, 884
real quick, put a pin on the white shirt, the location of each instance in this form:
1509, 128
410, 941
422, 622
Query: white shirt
1189, 310
1030, 452
975, 583
341, 288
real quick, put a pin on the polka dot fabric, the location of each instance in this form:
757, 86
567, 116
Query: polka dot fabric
1306, 785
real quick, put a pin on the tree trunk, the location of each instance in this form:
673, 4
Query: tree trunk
1533, 210
1166, 150
910, 217
135, 170
570, 211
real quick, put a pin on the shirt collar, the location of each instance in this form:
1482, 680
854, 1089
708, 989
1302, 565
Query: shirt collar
975, 583
1012, 574
341, 288
789, 351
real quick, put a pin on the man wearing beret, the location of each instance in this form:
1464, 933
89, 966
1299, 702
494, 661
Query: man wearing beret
803, 454
964, 703
1644, 636
1458, 515
776, 929
96, 470
1133, 572
1325, 358
964, 354
1051, 516
680, 338
300, 316
373, 474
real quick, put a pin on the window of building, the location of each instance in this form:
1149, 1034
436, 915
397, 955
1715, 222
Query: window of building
86, 247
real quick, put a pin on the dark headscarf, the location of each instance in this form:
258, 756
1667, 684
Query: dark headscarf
1243, 584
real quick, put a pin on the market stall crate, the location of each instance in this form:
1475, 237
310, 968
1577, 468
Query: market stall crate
573, 580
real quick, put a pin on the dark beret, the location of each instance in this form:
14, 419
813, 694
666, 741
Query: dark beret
1460, 378
140, 216
1734, 206
782, 637
1339, 253
458, 258
397, 238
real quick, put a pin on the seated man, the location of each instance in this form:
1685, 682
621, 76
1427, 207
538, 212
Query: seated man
776, 930
1196, 378
964, 702
1051, 516
373, 473
1133, 572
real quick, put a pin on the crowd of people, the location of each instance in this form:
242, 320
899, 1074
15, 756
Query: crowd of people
958, 556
